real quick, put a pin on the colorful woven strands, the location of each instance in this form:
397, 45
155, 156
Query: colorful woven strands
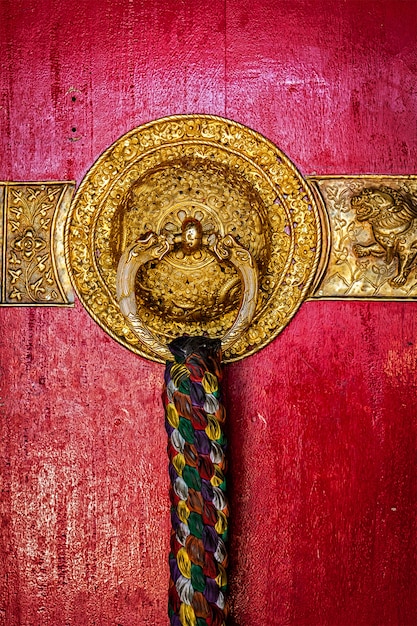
194, 417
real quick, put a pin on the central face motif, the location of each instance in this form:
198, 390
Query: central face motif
192, 235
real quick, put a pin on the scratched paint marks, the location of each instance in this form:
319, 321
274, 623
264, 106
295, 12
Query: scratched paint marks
401, 365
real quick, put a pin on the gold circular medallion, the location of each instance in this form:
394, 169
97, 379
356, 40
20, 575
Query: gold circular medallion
214, 172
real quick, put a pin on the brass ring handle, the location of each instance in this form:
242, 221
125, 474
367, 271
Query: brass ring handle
227, 248
156, 246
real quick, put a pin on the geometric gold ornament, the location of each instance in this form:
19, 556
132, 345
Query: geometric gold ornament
252, 217
32, 263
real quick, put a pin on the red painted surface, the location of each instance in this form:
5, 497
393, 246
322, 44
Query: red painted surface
322, 423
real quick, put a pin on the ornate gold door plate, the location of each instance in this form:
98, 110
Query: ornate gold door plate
197, 224
231, 181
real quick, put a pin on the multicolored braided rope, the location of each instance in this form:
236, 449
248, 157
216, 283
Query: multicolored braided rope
194, 417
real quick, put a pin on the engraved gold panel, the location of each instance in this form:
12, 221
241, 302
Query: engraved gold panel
228, 178
373, 237
33, 269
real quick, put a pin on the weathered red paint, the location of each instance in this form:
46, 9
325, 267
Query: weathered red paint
321, 423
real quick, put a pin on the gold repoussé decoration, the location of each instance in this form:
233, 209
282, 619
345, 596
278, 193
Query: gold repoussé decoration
230, 180
373, 237
32, 264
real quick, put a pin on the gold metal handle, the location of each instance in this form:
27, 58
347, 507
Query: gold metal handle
156, 246
227, 248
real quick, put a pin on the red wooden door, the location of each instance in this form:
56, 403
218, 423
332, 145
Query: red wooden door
322, 422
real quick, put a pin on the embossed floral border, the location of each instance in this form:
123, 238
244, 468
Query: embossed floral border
33, 270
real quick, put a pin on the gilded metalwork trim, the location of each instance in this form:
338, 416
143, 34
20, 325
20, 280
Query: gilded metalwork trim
229, 178
33, 269
154, 247
373, 237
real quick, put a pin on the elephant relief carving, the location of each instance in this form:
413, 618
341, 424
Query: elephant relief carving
392, 215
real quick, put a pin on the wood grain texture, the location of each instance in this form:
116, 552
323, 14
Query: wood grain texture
322, 422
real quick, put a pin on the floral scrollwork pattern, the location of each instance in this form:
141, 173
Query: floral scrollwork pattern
33, 268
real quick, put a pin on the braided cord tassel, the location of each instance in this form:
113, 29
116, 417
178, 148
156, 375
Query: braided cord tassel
194, 417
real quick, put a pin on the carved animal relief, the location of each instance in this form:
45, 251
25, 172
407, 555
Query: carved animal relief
393, 218
372, 237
